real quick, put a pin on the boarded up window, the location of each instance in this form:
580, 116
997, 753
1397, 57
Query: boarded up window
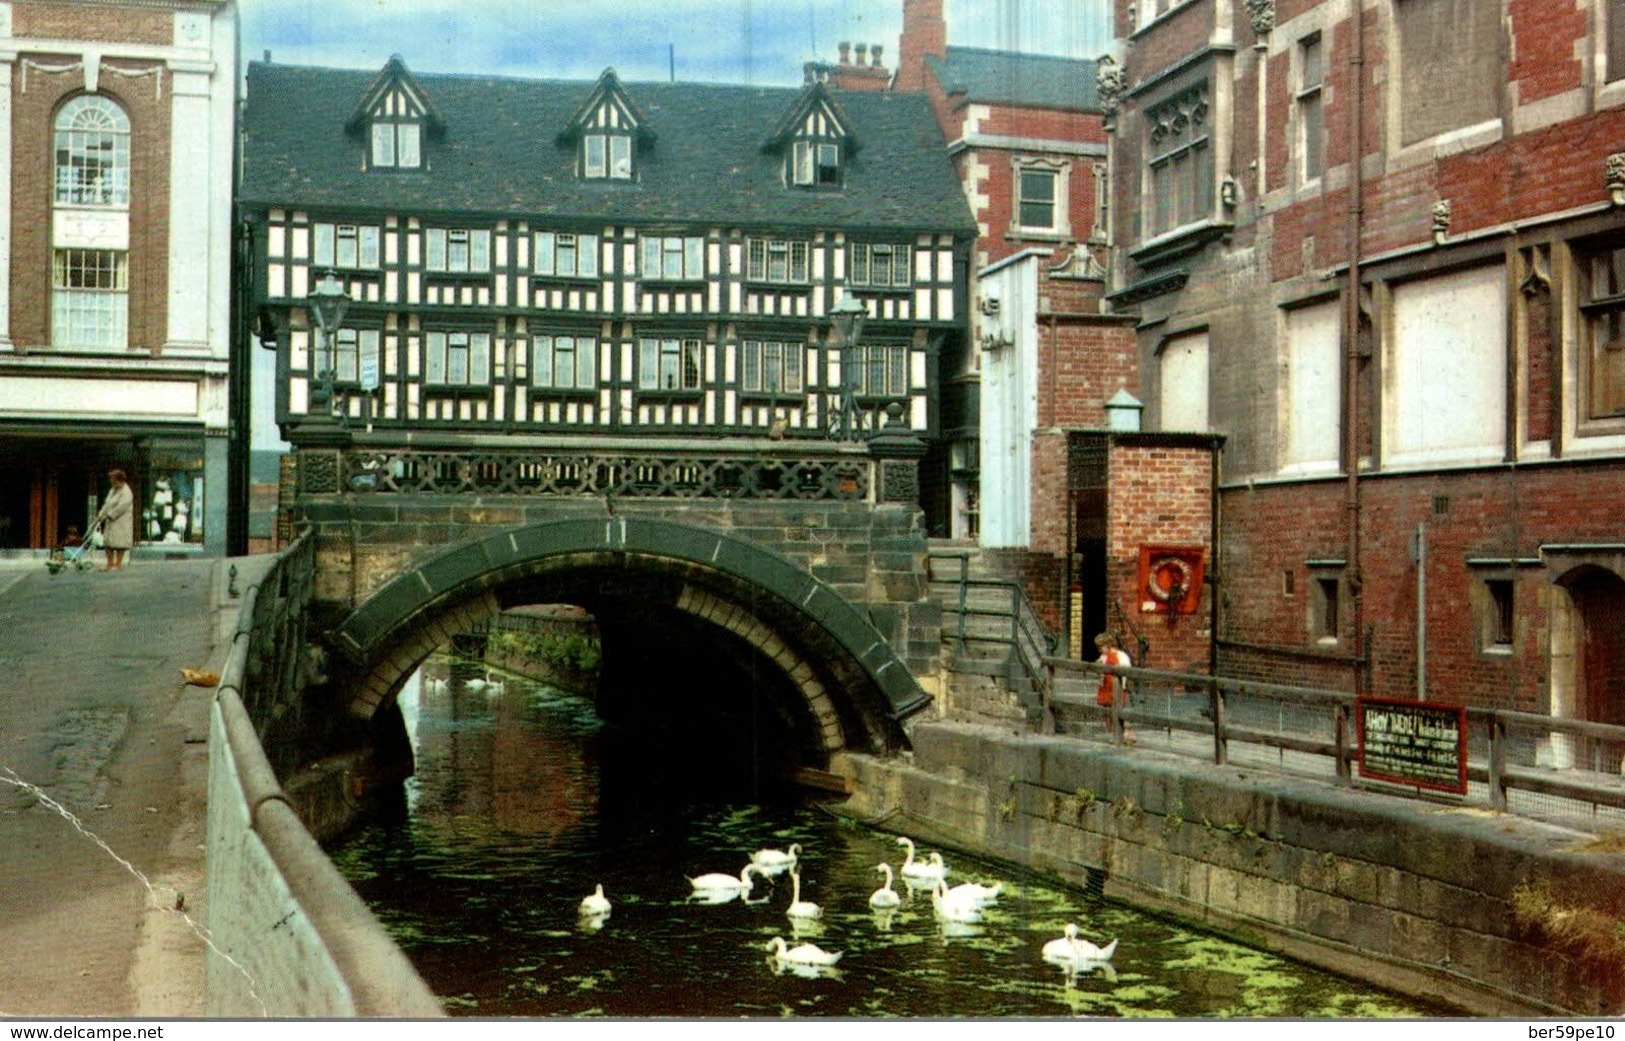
1448, 371
1183, 373
1451, 70
1314, 383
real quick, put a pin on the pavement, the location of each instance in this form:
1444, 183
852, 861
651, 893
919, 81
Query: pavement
103, 776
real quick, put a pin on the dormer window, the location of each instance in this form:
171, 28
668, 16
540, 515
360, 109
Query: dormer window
817, 164
397, 144
607, 155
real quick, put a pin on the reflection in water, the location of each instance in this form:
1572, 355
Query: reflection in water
506, 828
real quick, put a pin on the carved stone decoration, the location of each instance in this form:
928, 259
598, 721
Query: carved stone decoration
1614, 171
1441, 221
1262, 13
1109, 84
899, 480
318, 472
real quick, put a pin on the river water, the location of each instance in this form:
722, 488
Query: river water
524, 801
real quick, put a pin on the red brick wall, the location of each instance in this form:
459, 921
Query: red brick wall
33, 113
1490, 514
92, 22
1160, 496
924, 32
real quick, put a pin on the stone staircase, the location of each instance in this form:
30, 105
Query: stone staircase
992, 641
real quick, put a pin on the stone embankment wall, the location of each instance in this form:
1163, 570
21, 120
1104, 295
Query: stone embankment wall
557, 632
1429, 900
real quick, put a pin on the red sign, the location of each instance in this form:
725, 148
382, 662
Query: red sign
1421, 743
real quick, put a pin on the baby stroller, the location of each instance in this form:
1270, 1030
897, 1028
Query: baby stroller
66, 556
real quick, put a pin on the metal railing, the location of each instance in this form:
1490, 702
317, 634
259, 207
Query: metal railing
1027, 641
1519, 762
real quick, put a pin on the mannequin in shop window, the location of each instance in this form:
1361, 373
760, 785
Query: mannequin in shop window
117, 521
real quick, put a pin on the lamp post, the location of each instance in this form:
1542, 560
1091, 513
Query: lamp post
847, 316
328, 302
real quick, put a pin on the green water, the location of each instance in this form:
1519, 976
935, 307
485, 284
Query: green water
523, 803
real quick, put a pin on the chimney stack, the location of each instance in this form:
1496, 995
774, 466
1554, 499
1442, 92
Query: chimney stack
925, 33
874, 56
846, 52
863, 54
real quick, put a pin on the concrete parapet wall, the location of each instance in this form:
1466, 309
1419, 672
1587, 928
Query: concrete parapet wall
1411, 895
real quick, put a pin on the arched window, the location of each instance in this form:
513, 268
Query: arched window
92, 153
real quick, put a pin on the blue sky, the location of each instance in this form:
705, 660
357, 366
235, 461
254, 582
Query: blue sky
760, 42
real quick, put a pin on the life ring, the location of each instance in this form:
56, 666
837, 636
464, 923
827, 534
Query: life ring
1177, 589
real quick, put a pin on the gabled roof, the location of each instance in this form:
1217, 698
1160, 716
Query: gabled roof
499, 155
609, 87
813, 96
393, 74
1010, 78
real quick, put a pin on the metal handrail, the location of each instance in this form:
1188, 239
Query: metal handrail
1492, 725
1029, 641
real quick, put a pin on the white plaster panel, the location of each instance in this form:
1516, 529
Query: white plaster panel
90, 229
37, 395
1313, 392
1445, 388
1182, 367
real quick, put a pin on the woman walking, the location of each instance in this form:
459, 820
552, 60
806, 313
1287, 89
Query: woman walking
118, 516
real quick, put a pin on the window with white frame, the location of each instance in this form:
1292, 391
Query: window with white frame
775, 260
1313, 393
92, 153
1446, 370
1311, 117
673, 258
606, 155
771, 367
1151, 10
1183, 382
1602, 364
353, 351
397, 144
457, 358
566, 255
457, 250
344, 245
1180, 163
566, 362
90, 298
1037, 195
668, 364
879, 265
879, 370
816, 164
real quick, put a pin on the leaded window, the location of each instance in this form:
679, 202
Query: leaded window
1181, 161
92, 153
396, 144
776, 260
879, 265
771, 367
344, 245
457, 250
1604, 311
566, 255
668, 363
673, 258
879, 370
564, 362
353, 350
816, 164
606, 155
457, 358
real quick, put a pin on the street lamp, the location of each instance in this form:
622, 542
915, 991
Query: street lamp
847, 316
328, 302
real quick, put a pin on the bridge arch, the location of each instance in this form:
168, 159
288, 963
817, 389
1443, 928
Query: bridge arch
853, 689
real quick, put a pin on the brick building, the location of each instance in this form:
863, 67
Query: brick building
1416, 358
115, 259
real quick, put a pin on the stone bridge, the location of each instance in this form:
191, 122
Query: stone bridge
770, 583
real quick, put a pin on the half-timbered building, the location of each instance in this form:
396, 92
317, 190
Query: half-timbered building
548, 258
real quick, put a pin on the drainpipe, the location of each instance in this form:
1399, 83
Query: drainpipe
1216, 566
1421, 555
1351, 341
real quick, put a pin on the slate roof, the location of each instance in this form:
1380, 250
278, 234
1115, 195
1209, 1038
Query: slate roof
1009, 78
499, 154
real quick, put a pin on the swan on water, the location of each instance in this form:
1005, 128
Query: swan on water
803, 954
595, 903
772, 861
716, 882
920, 870
885, 896
1070, 950
800, 908
975, 892
952, 910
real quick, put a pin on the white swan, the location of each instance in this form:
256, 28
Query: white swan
595, 903
920, 870
1088, 952
803, 954
885, 896
716, 882
951, 910
976, 893
772, 861
1070, 950
800, 908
